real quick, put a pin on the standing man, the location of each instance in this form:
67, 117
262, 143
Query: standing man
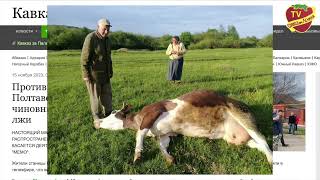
277, 126
292, 122
297, 122
175, 51
97, 70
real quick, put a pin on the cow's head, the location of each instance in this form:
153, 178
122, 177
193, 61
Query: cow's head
117, 119
120, 119
127, 117
123, 112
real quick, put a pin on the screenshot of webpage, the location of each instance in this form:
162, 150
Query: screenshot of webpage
160, 89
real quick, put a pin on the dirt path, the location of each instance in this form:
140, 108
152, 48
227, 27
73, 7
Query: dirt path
295, 142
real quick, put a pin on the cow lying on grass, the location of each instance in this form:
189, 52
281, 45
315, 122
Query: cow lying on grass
199, 113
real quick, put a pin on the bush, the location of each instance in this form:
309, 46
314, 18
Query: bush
65, 37
266, 41
249, 42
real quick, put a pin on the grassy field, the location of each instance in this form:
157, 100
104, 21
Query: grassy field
75, 147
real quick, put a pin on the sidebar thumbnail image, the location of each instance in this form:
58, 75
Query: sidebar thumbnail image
289, 111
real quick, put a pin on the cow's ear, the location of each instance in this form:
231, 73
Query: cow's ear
120, 115
127, 109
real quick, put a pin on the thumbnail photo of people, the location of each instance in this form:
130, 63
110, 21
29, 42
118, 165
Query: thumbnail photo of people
289, 111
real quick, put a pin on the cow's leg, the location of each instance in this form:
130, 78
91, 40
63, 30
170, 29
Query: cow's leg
164, 144
139, 143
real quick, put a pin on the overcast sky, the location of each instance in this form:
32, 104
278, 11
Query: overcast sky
160, 20
299, 81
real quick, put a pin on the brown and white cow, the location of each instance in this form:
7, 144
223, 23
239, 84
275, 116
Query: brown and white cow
200, 113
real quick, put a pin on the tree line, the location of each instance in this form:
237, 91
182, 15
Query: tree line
65, 37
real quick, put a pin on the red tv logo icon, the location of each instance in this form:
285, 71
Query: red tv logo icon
300, 17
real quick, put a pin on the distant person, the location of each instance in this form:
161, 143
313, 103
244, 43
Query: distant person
292, 122
276, 137
277, 125
175, 51
297, 122
97, 70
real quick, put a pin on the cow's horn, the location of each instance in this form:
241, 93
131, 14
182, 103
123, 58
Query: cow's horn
123, 104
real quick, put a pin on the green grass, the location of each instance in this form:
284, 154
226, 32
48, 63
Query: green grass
75, 147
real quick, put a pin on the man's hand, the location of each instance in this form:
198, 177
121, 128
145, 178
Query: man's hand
87, 79
174, 52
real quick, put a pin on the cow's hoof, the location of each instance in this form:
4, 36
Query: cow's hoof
170, 160
137, 157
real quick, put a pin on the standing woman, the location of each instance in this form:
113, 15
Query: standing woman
175, 51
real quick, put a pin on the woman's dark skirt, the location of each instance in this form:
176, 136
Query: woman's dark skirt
175, 69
